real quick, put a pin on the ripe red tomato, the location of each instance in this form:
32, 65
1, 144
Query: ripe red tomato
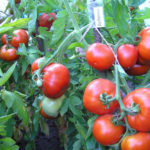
105, 132
3, 38
140, 121
35, 65
55, 80
141, 33
144, 46
43, 114
100, 56
46, 20
138, 70
138, 141
8, 54
127, 55
91, 97
143, 61
21, 36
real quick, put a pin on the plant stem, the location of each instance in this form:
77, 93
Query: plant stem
74, 22
124, 82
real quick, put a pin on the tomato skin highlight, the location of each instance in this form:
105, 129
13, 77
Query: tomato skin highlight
105, 132
142, 32
44, 20
138, 141
138, 70
8, 54
91, 97
55, 80
127, 55
140, 121
100, 56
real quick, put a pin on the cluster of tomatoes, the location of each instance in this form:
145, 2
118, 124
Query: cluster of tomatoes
55, 81
8, 51
133, 59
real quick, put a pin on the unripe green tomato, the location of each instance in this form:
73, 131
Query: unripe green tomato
51, 107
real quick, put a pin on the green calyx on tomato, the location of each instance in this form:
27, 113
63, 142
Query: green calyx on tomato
51, 107
100, 56
140, 121
92, 100
20, 36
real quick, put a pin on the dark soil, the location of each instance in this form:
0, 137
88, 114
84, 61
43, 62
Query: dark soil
44, 142
50, 142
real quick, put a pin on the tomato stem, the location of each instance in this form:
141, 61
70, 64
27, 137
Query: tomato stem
75, 24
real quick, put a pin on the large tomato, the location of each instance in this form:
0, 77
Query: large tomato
8, 54
46, 20
35, 65
138, 141
100, 56
141, 97
105, 132
91, 97
20, 36
138, 70
127, 55
144, 46
50, 107
55, 80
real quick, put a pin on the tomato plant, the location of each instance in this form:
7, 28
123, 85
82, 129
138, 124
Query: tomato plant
127, 55
131, 142
103, 127
100, 56
8, 54
92, 100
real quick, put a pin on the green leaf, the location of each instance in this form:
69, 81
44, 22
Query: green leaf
75, 44
17, 104
77, 145
4, 119
7, 75
2, 130
81, 130
58, 26
64, 107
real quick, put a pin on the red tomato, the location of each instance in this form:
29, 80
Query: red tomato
105, 132
21, 36
100, 56
91, 97
141, 33
43, 114
127, 55
138, 141
8, 54
35, 65
138, 70
55, 80
3, 38
143, 61
46, 20
144, 46
140, 121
